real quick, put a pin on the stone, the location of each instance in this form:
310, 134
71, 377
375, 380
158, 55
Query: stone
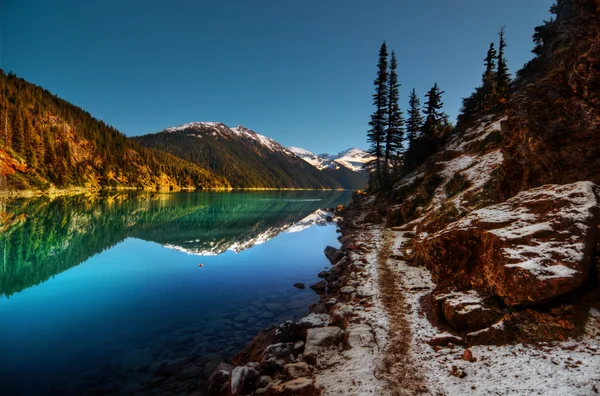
241, 379
175, 366
333, 255
296, 370
361, 336
280, 353
331, 302
468, 356
319, 287
319, 338
500, 333
347, 290
323, 274
299, 285
298, 347
444, 339
528, 250
296, 387
468, 311
218, 383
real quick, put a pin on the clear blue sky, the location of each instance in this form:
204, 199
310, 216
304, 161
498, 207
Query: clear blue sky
300, 72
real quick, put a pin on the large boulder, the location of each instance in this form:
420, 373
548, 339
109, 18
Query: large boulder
528, 250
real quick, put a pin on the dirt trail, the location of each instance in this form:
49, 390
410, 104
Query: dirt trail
397, 368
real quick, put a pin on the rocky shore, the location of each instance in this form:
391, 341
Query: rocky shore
335, 349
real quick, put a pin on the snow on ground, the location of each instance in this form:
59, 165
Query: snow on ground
554, 369
351, 372
482, 131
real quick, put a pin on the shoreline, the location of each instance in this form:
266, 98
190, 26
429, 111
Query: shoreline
84, 190
337, 348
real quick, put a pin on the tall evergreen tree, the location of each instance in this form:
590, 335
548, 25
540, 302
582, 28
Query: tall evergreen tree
502, 74
489, 80
376, 135
395, 123
434, 116
414, 122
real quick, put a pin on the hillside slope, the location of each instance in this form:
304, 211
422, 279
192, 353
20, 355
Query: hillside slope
244, 157
46, 142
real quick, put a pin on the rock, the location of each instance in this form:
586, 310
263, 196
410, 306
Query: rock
323, 274
299, 285
254, 350
218, 383
298, 347
347, 290
242, 377
333, 255
468, 311
457, 372
296, 370
296, 387
331, 302
500, 333
361, 336
528, 250
468, 356
264, 381
280, 353
319, 338
319, 287
175, 366
444, 339
277, 307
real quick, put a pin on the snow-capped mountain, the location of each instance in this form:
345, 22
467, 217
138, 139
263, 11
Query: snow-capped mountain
217, 129
354, 159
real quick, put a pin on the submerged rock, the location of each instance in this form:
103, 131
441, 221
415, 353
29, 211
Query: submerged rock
528, 250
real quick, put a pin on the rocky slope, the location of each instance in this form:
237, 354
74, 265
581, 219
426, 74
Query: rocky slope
245, 158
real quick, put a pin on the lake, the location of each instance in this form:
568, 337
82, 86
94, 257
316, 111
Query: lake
99, 294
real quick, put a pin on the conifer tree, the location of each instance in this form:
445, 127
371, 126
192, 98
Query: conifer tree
376, 135
502, 75
489, 80
414, 122
434, 116
395, 122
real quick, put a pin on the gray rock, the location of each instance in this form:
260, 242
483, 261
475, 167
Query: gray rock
319, 338
347, 290
296, 370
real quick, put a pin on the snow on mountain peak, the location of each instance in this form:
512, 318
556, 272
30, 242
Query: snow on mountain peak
352, 158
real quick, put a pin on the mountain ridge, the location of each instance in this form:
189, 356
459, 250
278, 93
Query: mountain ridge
246, 158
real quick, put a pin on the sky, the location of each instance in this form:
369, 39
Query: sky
300, 72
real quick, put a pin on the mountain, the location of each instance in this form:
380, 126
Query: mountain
243, 157
353, 159
46, 142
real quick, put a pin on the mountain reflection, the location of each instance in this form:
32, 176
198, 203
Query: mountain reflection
42, 237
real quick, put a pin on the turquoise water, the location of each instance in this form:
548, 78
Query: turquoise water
97, 292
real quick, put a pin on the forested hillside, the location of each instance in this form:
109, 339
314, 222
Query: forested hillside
245, 158
47, 142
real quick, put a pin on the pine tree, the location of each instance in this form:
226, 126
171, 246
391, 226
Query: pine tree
395, 123
434, 116
489, 80
376, 135
414, 122
502, 75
